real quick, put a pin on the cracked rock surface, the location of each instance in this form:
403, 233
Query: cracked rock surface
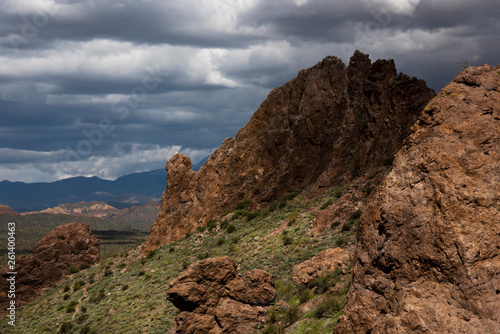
428, 250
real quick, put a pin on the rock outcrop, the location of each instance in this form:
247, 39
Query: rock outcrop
68, 245
5, 209
326, 261
214, 298
319, 129
86, 209
428, 249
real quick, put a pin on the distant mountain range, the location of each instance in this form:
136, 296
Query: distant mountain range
125, 191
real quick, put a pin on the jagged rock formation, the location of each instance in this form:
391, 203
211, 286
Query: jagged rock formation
214, 298
326, 261
428, 250
69, 244
5, 209
319, 129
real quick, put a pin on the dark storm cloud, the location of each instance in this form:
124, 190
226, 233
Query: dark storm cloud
112, 87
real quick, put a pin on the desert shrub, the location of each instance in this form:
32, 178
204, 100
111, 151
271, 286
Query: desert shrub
292, 315
66, 288
220, 241
356, 215
202, 256
141, 273
271, 329
125, 287
326, 281
287, 240
85, 329
171, 249
72, 269
305, 296
326, 204
334, 224
291, 195
151, 254
285, 290
71, 307
211, 224
230, 228
78, 285
340, 242
243, 205
108, 272
329, 306
84, 266
185, 264
346, 227
62, 237
66, 296
66, 327
188, 235
292, 217
97, 297
252, 215
82, 318
337, 192
234, 239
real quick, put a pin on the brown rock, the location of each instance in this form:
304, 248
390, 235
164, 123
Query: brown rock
214, 298
428, 255
326, 261
5, 209
320, 128
70, 244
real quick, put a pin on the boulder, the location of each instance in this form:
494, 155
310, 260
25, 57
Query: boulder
214, 298
70, 244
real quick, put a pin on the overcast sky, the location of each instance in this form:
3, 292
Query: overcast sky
108, 88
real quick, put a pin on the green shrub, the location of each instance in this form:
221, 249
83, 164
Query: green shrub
72, 269
346, 226
291, 195
230, 228
141, 273
329, 306
326, 204
327, 280
84, 266
201, 229
66, 296
285, 290
340, 242
85, 329
66, 327
234, 239
108, 272
62, 237
220, 241
66, 288
125, 287
171, 249
202, 256
337, 192
334, 224
305, 296
71, 307
355, 215
252, 215
188, 235
292, 314
292, 217
82, 318
243, 205
211, 224
77, 285
185, 264
287, 240
151, 254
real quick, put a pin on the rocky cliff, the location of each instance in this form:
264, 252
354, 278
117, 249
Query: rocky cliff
428, 249
319, 129
68, 245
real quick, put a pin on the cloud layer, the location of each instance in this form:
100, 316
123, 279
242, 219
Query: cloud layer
112, 87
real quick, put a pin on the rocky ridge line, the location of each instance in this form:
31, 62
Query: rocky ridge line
319, 129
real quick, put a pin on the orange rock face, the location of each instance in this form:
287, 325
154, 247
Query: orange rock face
214, 298
319, 129
69, 244
326, 261
428, 254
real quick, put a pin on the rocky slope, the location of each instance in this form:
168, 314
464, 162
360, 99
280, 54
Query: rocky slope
428, 254
319, 129
68, 245
88, 209
5, 209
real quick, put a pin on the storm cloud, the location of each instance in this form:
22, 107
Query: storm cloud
108, 88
